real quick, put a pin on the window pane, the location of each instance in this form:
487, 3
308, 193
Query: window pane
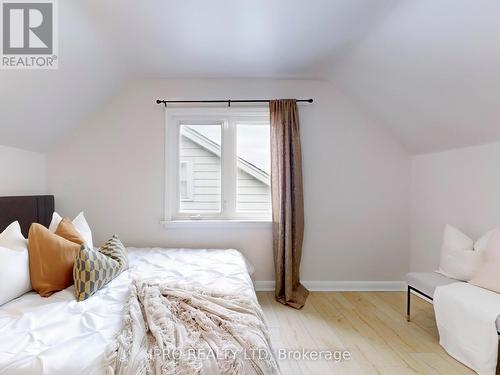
200, 168
253, 146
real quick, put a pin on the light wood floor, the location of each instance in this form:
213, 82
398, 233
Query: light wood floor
371, 325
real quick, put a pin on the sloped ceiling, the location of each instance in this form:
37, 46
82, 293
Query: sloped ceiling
235, 39
430, 73
37, 107
427, 70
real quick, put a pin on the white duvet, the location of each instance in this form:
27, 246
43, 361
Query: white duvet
58, 335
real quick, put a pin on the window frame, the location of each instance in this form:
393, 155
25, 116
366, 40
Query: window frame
228, 118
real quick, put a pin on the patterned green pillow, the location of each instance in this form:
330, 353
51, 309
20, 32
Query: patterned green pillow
115, 250
92, 271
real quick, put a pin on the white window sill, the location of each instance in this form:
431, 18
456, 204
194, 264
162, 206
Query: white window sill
216, 224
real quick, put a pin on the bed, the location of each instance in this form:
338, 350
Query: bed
58, 335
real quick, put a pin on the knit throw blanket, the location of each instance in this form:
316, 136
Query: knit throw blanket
174, 330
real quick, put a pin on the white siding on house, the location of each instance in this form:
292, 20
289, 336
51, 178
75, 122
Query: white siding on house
253, 196
206, 178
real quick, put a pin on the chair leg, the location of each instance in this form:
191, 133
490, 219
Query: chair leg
408, 299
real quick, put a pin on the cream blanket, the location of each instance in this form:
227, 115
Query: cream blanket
175, 330
466, 318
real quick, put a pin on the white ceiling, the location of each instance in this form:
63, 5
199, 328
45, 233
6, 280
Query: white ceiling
427, 70
430, 73
39, 106
227, 38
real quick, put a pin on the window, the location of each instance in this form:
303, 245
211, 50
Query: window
218, 164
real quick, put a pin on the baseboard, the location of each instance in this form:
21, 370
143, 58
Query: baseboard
263, 286
341, 286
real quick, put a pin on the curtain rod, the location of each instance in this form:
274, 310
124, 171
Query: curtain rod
228, 101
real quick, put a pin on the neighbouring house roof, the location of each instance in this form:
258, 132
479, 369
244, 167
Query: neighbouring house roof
215, 149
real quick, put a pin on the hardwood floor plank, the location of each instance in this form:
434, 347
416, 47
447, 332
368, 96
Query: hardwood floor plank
371, 326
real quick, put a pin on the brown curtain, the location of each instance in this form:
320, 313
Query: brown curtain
288, 204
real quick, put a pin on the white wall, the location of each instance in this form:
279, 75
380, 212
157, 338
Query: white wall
459, 187
23, 172
357, 180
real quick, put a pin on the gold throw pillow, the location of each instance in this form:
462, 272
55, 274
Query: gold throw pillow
66, 229
51, 259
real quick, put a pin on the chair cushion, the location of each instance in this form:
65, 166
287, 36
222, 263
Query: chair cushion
427, 282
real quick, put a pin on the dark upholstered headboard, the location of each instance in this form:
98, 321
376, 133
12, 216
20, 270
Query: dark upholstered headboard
26, 210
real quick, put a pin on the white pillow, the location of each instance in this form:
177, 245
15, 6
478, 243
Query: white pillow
12, 238
488, 276
482, 243
14, 264
492, 250
80, 224
460, 257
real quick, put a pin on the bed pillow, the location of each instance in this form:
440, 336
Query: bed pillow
80, 224
92, 271
459, 260
114, 249
14, 264
51, 260
14, 274
66, 229
12, 237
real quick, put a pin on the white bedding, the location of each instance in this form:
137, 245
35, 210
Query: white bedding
58, 335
